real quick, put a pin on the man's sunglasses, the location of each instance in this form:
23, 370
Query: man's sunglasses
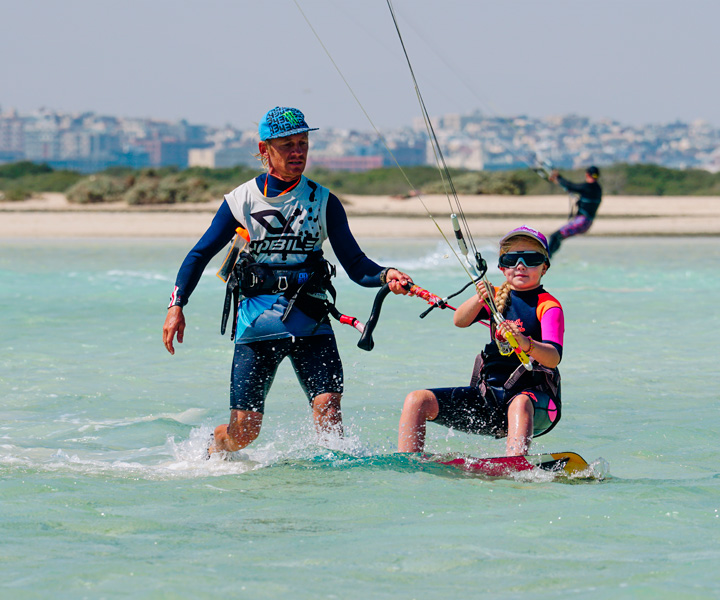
530, 258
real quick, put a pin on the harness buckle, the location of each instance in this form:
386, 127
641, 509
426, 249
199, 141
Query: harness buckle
282, 283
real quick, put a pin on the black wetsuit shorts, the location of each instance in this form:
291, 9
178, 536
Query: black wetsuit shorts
466, 409
316, 361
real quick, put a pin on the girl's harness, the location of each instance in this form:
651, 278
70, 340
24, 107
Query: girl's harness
543, 379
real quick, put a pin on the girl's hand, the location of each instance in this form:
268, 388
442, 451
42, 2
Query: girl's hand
509, 326
544, 353
482, 291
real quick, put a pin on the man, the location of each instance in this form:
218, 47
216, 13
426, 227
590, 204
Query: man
283, 280
589, 198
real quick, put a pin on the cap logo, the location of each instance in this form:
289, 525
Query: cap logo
288, 114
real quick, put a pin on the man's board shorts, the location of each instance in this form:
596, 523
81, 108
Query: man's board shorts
466, 409
316, 361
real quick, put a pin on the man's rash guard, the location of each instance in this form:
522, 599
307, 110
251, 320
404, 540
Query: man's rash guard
359, 267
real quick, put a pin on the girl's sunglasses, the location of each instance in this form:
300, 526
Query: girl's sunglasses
530, 258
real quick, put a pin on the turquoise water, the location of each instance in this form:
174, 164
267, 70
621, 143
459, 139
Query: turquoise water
104, 493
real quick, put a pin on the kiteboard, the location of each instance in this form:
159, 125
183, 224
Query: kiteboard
567, 464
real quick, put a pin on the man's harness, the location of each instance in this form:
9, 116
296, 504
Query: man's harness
306, 285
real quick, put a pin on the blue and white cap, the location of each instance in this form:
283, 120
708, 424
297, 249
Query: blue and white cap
282, 121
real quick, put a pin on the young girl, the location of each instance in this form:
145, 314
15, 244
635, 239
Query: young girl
504, 398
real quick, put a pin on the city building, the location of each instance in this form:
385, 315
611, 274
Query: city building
87, 142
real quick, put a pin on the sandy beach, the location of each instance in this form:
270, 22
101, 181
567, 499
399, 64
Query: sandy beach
50, 215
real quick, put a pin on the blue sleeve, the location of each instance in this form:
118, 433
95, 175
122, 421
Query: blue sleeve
359, 267
221, 231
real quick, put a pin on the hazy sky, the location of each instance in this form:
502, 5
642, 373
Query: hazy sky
228, 61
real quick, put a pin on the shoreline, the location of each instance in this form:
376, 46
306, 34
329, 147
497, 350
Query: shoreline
51, 216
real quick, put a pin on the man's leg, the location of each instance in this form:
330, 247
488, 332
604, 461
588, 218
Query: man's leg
243, 429
319, 370
253, 371
575, 226
327, 414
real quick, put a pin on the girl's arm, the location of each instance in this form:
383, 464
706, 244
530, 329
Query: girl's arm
467, 313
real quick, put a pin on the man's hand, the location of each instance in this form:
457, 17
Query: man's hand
174, 323
398, 282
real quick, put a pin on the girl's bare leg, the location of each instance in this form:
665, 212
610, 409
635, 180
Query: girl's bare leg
520, 426
420, 406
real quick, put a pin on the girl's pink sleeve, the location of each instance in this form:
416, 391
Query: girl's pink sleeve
553, 325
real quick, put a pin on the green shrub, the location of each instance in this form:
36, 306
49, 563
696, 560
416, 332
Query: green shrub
387, 181
143, 192
232, 176
169, 185
178, 189
22, 169
97, 188
482, 182
19, 181
172, 189
15, 193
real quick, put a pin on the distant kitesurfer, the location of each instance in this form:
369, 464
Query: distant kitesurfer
282, 282
589, 198
503, 399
